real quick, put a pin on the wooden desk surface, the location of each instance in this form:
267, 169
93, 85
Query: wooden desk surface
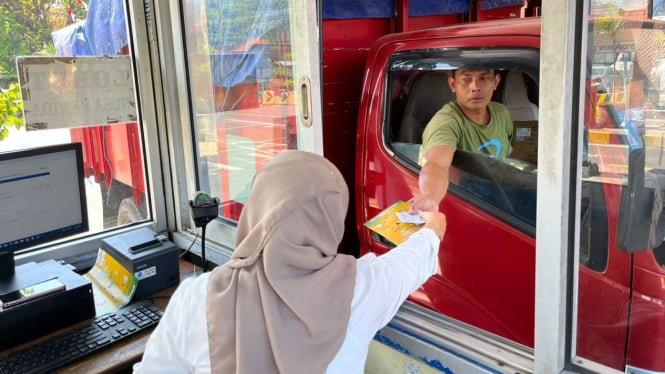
120, 357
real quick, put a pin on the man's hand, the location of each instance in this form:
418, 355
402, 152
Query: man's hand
435, 221
433, 180
423, 203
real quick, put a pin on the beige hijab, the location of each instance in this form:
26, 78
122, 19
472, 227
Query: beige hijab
283, 301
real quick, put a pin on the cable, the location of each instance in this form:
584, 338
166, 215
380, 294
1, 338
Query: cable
196, 236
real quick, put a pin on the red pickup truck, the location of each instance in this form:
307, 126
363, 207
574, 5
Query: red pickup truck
486, 274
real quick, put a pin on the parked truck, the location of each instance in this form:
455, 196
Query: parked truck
112, 153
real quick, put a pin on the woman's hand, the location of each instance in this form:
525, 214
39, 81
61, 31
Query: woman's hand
435, 221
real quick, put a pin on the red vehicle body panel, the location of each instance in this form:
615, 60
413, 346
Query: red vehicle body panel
113, 151
646, 338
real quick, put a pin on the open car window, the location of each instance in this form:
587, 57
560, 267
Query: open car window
419, 88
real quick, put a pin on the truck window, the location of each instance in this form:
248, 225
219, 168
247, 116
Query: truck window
506, 187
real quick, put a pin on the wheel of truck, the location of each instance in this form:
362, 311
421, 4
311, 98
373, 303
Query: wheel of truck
128, 212
111, 199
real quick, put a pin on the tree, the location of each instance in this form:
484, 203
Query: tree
25, 29
11, 110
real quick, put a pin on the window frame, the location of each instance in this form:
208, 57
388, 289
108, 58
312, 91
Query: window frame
221, 233
155, 156
563, 47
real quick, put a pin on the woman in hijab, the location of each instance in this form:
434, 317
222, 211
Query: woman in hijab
286, 302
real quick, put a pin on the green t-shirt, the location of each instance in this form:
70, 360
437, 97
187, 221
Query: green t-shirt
449, 126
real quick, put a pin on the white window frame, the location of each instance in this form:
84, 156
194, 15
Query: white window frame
154, 154
559, 186
221, 236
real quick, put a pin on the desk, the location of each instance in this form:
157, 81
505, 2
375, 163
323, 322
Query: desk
120, 356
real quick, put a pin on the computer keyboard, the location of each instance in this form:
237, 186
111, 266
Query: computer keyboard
74, 344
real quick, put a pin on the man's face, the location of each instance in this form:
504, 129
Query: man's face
474, 88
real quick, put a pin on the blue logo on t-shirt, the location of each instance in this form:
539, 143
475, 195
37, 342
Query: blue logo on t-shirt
493, 142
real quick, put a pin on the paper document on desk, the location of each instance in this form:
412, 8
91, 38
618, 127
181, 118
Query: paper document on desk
113, 286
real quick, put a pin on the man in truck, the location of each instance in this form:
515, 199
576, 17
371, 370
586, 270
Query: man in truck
473, 122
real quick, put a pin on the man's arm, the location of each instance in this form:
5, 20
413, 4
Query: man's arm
433, 180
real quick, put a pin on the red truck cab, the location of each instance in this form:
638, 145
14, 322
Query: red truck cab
486, 275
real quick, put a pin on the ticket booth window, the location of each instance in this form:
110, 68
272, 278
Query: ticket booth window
621, 230
68, 75
603, 304
253, 78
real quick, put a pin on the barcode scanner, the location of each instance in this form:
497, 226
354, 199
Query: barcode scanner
203, 208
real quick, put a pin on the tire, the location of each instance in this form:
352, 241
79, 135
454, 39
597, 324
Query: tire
111, 199
128, 212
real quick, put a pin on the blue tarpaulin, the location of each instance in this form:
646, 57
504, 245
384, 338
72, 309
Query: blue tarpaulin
431, 8
493, 4
70, 40
106, 28
103, 33
232, 69
347, 9
242, 33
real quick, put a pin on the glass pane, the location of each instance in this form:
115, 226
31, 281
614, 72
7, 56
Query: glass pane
241, 72
82, 90
621, 306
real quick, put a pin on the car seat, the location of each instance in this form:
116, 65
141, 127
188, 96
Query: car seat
429, 92
516, 100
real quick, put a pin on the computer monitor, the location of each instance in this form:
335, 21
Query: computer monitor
42, 199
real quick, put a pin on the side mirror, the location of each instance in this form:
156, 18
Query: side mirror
641, 223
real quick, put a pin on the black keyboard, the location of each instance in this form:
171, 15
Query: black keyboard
72, 345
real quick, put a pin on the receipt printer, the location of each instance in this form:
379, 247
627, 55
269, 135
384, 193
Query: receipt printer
151, 257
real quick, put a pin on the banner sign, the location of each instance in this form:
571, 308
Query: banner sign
65, 92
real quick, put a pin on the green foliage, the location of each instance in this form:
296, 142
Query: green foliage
25, 30
608, 25
11, 110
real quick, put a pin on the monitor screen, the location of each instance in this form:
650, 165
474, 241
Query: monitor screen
42, 197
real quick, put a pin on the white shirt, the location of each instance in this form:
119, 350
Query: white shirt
179, 344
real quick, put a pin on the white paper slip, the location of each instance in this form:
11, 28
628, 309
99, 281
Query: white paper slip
410, 218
